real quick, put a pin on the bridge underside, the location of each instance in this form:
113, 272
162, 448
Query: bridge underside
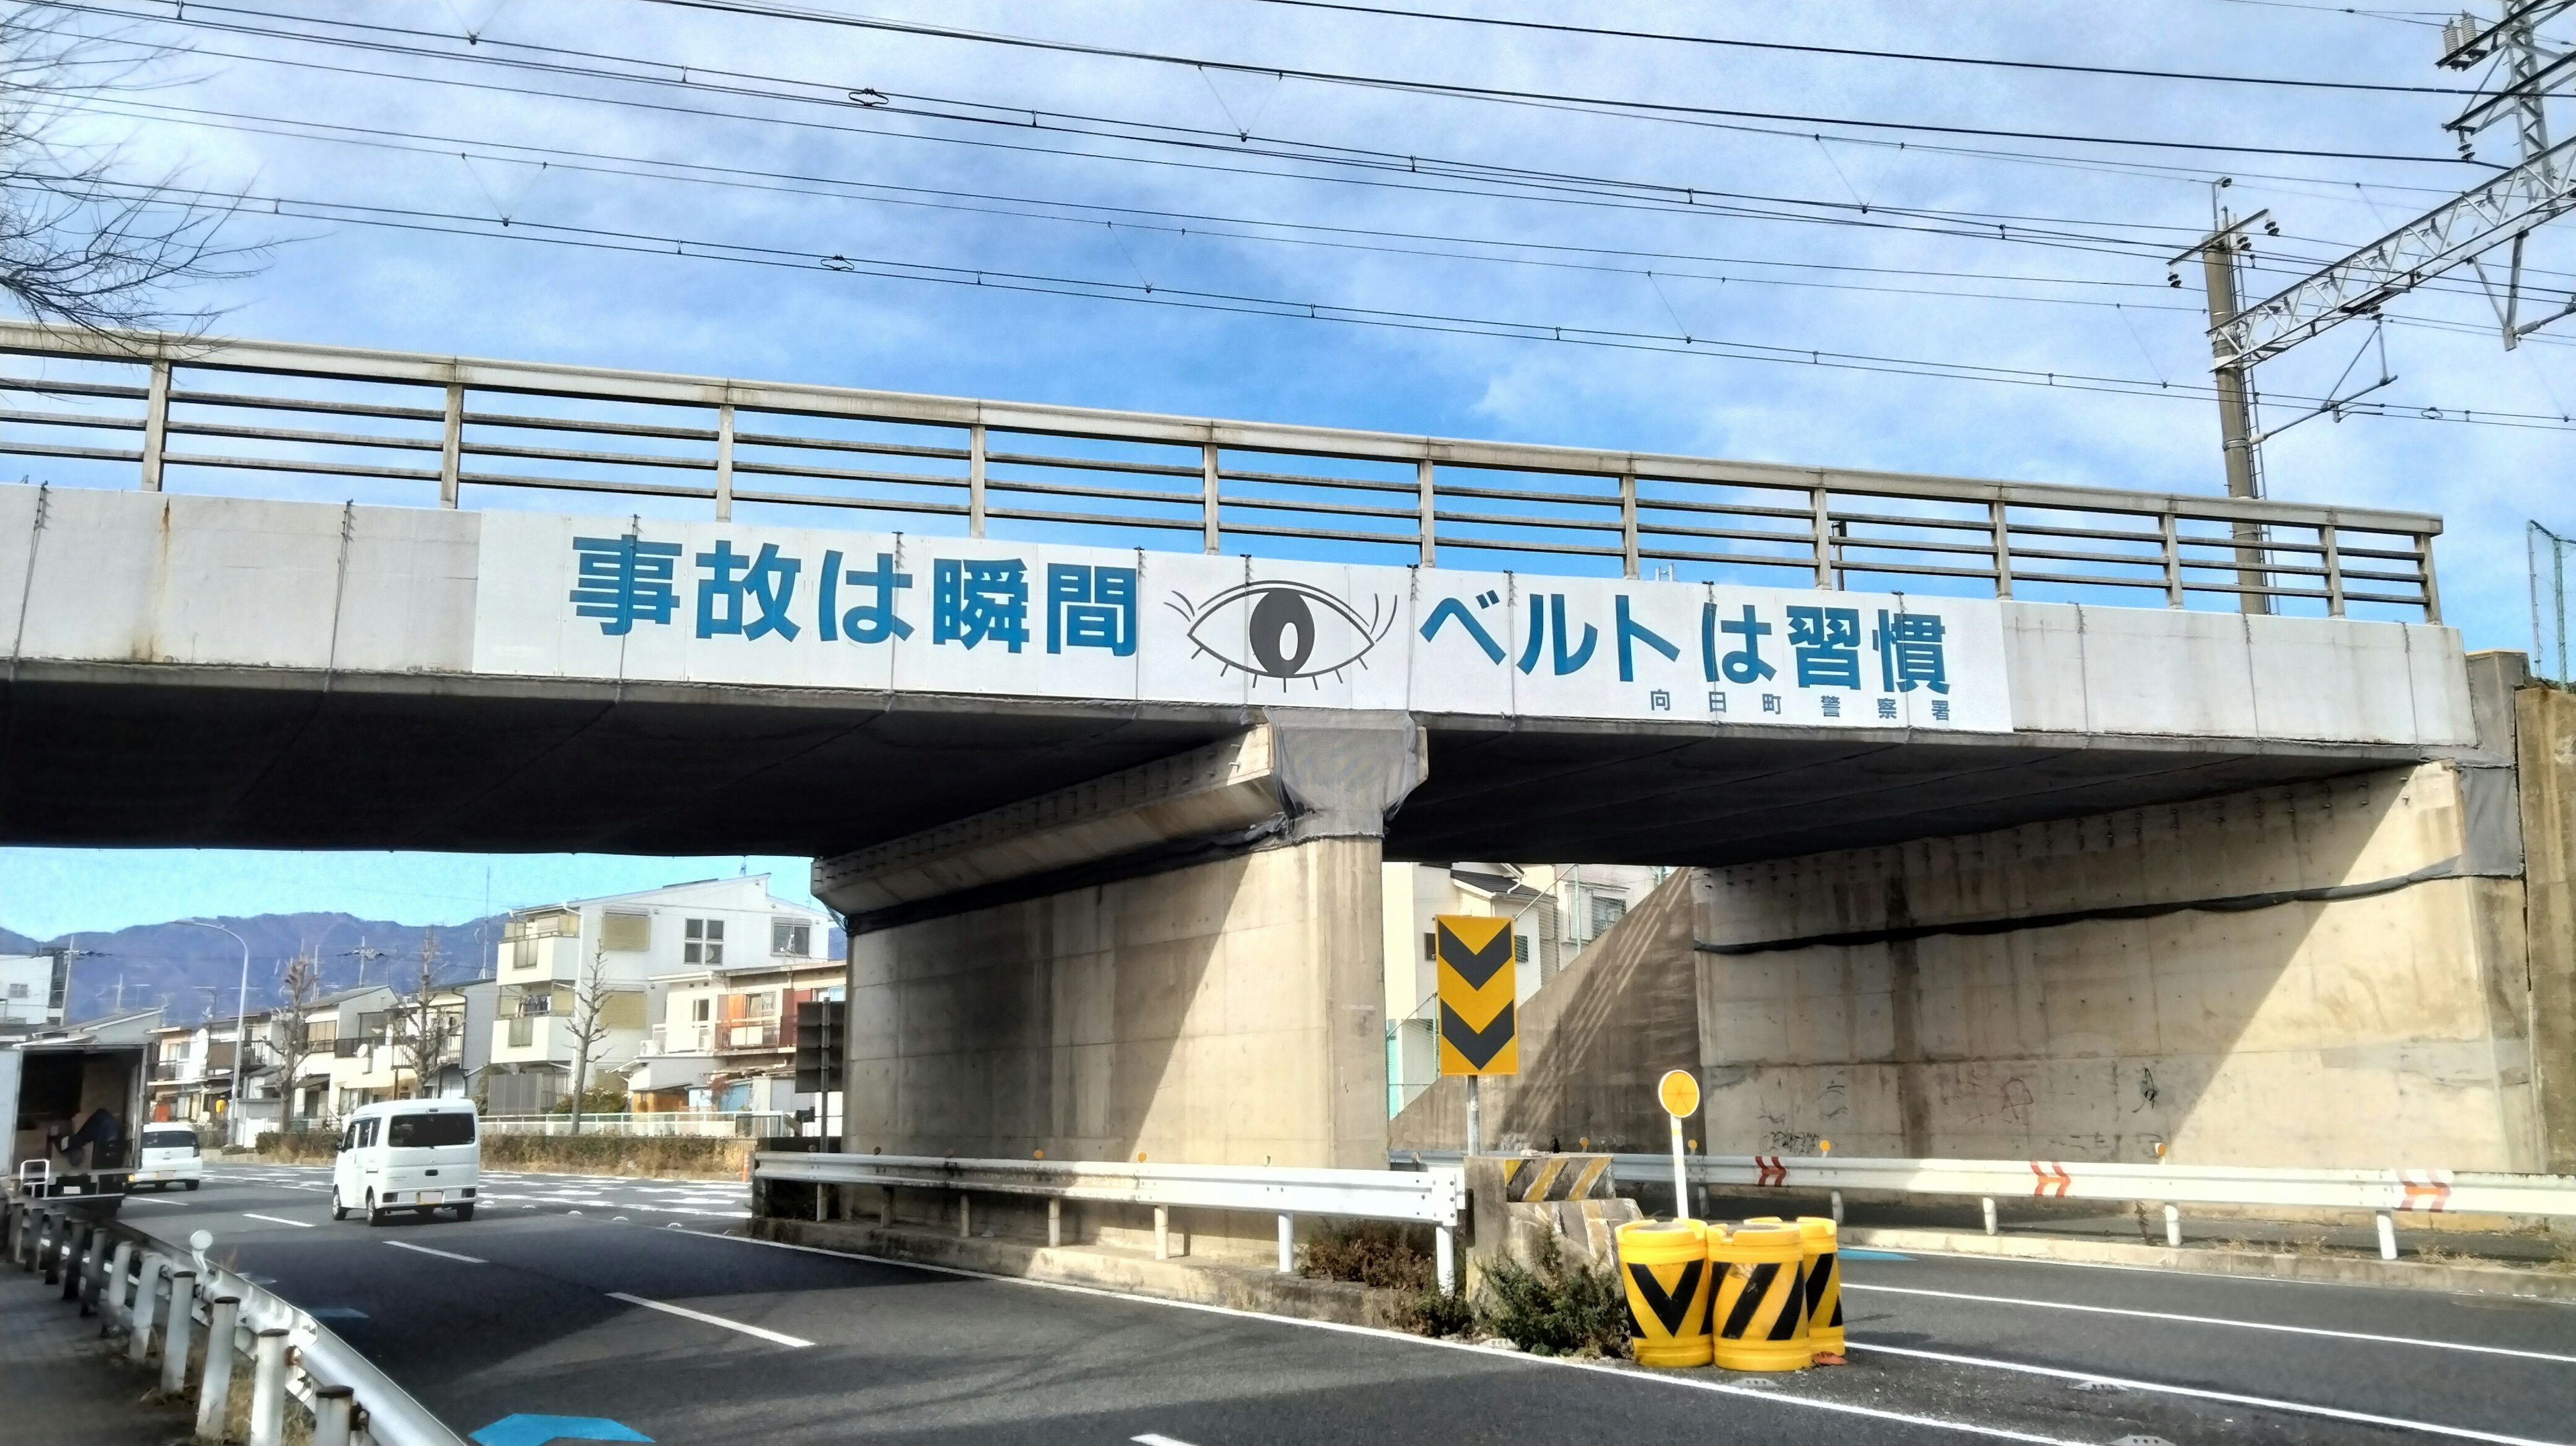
119, 755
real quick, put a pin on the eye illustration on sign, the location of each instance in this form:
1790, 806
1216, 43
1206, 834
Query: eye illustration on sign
1285, 630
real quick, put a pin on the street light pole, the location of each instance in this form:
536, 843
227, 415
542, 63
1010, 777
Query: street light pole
241, 1032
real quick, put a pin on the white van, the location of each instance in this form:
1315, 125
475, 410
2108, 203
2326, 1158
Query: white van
169, 1158
422, 1155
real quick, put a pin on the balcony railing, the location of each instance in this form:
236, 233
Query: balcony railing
249, 417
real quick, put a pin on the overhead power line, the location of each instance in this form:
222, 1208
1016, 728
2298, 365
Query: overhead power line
1277, 308
1922, 57
1607, 105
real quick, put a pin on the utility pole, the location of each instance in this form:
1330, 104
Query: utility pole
2218, 251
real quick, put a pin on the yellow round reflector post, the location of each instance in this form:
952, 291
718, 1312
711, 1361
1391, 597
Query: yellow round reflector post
1665, 1266
1760, 1310
1818, 1241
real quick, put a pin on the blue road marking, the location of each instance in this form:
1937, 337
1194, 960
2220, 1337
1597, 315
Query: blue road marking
538, 1430
1849, 1253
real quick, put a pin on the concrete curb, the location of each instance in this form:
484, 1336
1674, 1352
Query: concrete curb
2263, 1265
1200, 1282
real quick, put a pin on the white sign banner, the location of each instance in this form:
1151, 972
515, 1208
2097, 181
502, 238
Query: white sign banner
718, 602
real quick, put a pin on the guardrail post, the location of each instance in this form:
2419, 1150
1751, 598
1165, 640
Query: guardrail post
885, 1209
965, 1215
1628, 557
49, 1246
2387, 1236
2172, 541
1287, 1244
1820, 502
2333, 552
1999, 525
975, 480
267, 1387
1428, 512
215, 1387
332, 1409
174, 1335
112, 1307
1055, 1220
147, 1295
156, 424
1208, 499
1838, 1208
724, 462
1989, 1203
451, 446
2173, 1226
1444, 1248
2424, 568
75, 1248
1162, 1232
93, 1269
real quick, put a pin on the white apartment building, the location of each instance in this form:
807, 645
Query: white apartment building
192, 1068
31, 992
1557, 910
549, 955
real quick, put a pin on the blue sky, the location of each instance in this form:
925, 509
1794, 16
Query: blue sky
2048, 293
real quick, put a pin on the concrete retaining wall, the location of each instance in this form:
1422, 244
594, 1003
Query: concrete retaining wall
2545, 730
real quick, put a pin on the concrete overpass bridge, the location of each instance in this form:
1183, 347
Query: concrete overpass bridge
1100, 724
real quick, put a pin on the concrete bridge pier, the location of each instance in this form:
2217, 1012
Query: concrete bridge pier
1179, 961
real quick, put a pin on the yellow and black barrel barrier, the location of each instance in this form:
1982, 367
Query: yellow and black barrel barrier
1820, 1244
1759, 1314
1665, 1266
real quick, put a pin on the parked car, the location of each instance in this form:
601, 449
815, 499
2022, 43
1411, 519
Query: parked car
170, 1158
422, 1155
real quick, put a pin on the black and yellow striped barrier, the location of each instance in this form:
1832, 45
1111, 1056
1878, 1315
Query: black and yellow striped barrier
1665, 1266
1539, 1179
1819, 1242
1759, 1315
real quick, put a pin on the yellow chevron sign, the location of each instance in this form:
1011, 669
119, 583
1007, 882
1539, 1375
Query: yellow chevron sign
1479, 1027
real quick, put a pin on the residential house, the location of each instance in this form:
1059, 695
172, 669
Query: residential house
725, 1037
31, 992
381, 1059
555, 959
192, 1068
1556, 910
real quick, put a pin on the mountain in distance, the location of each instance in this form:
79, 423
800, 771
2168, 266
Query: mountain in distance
195, 973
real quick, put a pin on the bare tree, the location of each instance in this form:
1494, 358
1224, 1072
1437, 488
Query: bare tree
84, 241
428, 1026
589, 1024
290, 1034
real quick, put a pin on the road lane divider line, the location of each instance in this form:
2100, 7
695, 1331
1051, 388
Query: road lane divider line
780, 1337
2212, 1320
1620, 1372
2265, 1403
152, 1200
441, 1254
1156, 1438
277, 1220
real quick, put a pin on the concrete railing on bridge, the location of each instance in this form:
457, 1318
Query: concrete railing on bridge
273, 419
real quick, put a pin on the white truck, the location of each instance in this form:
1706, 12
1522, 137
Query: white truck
55, 1085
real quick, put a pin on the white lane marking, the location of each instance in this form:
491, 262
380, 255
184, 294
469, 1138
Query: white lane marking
780, 1337
277, 1220
1837, 1408
2300, 1408
2210, 1320
441, 1254
151, 1200
1156, 1438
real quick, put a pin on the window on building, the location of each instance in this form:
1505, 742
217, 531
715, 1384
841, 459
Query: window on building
702, 1011
1431, 945
786, 937
1520, 948
702, 941
1606, 912
17, 991
628, 931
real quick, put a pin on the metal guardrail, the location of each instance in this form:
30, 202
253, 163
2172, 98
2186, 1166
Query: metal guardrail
2384, 1193
1436, 1196
202, 414
126, 1276
716, 1124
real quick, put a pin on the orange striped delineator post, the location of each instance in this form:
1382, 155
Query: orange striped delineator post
1665, 1267
1758, 1317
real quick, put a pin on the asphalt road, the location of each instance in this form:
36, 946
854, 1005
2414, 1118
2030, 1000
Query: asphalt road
571, 1296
